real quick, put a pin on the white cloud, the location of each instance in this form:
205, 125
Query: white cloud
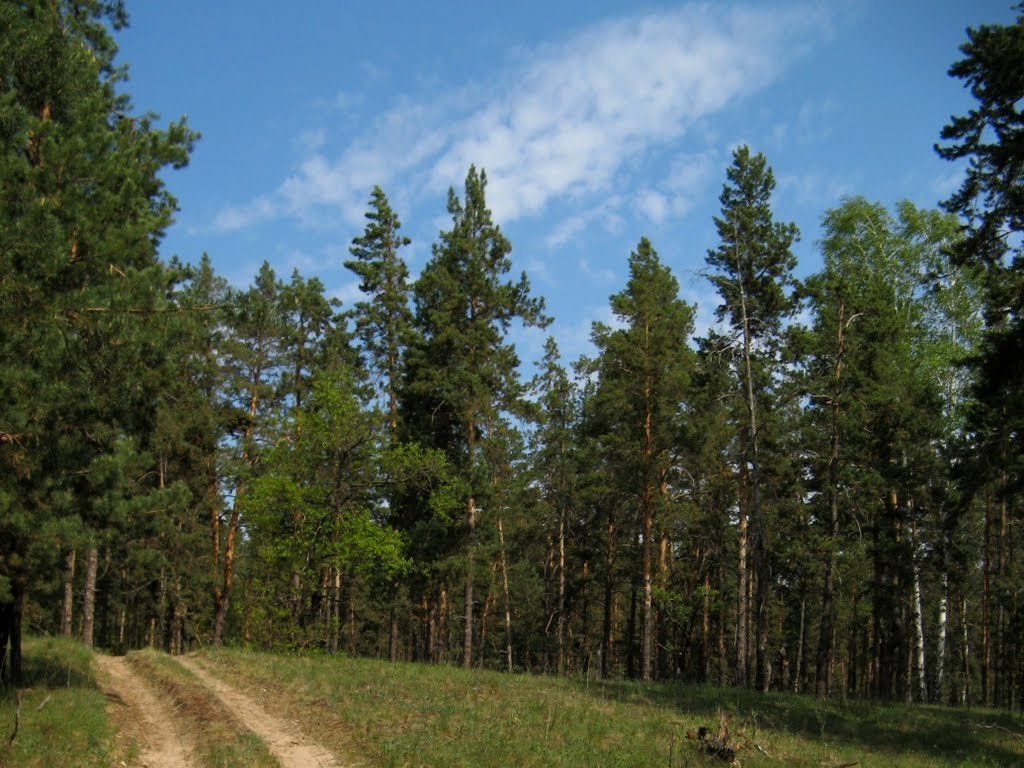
311, 141
654, 205
945, 186
814, 187
597, 274
605, 215
233, 218
570, 116
677, 193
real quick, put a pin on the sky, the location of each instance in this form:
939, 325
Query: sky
596, 122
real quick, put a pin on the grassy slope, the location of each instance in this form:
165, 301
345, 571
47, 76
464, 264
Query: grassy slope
71, 727
410, 715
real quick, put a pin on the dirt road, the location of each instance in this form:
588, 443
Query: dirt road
142, 716
283, 740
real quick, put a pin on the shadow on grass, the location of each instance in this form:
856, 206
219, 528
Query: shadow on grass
51, 663
941, 732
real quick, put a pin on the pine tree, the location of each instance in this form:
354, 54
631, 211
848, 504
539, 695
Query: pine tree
82, 208
252, 358
753, 272
555, 456
463, 372
644, 371
384, 323
990, 203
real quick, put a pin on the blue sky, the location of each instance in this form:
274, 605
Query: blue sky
597, 122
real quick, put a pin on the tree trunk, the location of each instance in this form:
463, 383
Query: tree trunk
393, 628
986, 612
335, 610
10, 635
940, 650
89, 600
762, 671
467, 638
823, 662
798, 676
742, 590
508, 608
17, 613
222, 597
647, 523
705, 629
965, 656
918, 611
646, 614
609, 596
562, 624
69, 594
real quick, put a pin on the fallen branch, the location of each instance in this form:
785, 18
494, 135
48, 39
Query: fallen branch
17, 718
44, 702
763, 751
1015, 735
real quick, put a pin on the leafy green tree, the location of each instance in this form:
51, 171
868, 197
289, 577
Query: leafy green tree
317, 503
463, 371
753, 272
881, 351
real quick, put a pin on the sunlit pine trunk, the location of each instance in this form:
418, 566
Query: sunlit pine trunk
823, 661
609, 596
562, 625
508, 602
467, 639
223, 600
89, 599
986, 610
762, 670
742, 587
69, 594
647, 523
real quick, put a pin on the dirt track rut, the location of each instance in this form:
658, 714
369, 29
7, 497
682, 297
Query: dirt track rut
143, 715
285, 741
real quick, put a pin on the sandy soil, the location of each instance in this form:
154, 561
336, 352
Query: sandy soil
142, 716
283, 739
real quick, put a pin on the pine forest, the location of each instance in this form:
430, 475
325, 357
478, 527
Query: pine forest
822, 494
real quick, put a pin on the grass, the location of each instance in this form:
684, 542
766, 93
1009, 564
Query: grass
410, 715
220, 740
63, 718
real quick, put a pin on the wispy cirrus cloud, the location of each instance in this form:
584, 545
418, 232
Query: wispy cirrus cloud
560, 123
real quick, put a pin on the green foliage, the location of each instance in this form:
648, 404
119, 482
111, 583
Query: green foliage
320, 490
384, 324
82, 208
